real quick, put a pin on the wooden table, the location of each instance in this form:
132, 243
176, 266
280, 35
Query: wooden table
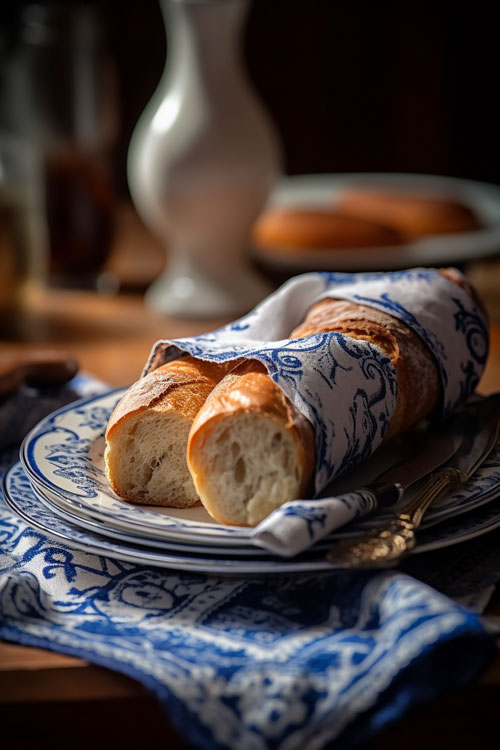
45, 693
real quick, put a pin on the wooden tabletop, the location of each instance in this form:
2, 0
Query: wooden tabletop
111, 336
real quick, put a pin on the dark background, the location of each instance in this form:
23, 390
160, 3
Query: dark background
352, 86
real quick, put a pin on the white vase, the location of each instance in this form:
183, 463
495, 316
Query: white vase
202, 161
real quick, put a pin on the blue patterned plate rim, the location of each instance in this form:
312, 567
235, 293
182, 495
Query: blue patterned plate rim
24, 503
104, 530
145, 531
102, 526
22, 500
70, 459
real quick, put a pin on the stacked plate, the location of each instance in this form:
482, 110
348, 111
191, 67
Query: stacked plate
59, 487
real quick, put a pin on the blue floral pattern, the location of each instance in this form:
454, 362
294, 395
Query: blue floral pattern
308, 524
242, 663
72, 470
347, 388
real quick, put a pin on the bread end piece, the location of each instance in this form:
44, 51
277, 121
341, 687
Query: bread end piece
146, 436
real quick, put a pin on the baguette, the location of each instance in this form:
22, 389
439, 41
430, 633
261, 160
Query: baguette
226, 433
250, 450
146, 436
291, 228
413, 215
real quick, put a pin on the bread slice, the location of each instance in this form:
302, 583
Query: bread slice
146, 437
250, 450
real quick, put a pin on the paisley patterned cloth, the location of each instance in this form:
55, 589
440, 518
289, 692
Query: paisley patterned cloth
345, 387
279, 662
291, 663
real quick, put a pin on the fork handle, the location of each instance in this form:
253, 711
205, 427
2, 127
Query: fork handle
387, 543
437, 484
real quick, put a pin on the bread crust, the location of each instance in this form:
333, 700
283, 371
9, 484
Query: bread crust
166, 387
412, 214
417, 374
177, 390
299, 229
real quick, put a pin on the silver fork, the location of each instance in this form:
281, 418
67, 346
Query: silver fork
386, 544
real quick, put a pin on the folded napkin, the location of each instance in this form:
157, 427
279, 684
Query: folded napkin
345, 387
291, 663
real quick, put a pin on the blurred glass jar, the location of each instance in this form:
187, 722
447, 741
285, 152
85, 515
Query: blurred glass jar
60, 91
23, 237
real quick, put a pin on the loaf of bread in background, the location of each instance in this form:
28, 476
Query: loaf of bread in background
146, 436
294, 228
412, 215
250, 450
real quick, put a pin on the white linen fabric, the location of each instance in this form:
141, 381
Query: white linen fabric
346, 388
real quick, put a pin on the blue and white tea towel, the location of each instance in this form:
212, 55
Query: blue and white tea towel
346, 387
277, 663
291, 663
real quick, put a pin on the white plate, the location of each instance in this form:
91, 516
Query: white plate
104, 528
317, 191
23, 501
63, 457
191, 528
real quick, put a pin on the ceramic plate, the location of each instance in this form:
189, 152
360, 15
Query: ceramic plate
104, 528
483, 486
317, 191
63, 457
23, 501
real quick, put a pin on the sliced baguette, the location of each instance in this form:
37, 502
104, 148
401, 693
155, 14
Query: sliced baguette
250, 450
146, 436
